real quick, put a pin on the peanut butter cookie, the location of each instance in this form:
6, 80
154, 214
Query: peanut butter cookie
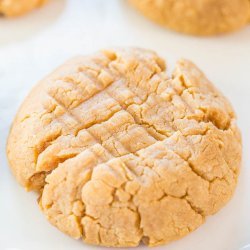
197, 17
120, 152
12, 8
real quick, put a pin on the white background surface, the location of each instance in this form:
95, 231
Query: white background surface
32, 46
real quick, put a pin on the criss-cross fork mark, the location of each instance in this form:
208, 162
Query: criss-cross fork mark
69, 111
105, 89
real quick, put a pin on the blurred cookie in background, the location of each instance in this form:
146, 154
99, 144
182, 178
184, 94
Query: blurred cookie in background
196, 17
12, 8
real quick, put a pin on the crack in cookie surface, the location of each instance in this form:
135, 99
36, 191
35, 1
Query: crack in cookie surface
122, 153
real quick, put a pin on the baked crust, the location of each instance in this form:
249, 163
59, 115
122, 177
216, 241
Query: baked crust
121, 152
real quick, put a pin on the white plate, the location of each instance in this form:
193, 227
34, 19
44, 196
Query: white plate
32, 46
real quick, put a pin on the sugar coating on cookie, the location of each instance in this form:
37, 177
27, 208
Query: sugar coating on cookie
121, 152
197, 17
12, 8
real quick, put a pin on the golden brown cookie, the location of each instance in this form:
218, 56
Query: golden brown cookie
12, 8
121, 152
197, 17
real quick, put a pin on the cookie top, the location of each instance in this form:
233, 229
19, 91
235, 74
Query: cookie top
13, 8
197, 17
121, 152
